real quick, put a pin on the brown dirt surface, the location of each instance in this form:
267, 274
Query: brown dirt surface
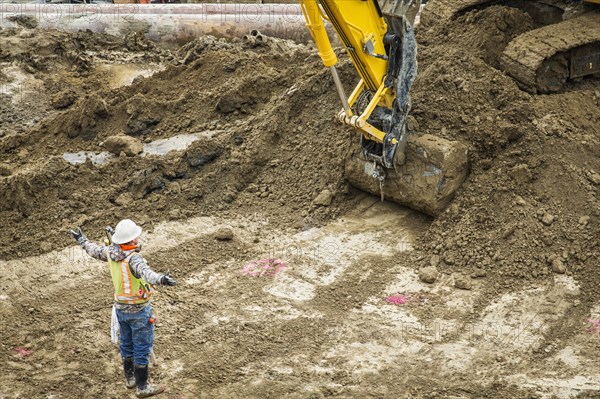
266, 145
253, 96
533, 155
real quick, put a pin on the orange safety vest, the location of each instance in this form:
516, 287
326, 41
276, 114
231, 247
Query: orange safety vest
128, 288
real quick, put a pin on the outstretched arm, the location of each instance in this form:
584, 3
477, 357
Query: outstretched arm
140, 269
94, 250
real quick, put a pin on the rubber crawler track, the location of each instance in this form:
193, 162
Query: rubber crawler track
524, 57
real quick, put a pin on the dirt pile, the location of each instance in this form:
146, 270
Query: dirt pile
531, 202
47, 70
267, 141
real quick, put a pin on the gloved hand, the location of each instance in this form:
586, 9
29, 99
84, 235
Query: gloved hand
168, 280
78, 234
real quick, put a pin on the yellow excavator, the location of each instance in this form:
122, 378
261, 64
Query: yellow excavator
424, 172
421, 172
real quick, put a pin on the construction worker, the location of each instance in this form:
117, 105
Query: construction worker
133, 280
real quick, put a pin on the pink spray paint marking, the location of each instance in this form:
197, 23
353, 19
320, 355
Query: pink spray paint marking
595, 328
263, 268
398, 299
22, 351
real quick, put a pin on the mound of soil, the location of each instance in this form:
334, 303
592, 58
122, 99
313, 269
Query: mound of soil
266, 145
274, 146
531, 201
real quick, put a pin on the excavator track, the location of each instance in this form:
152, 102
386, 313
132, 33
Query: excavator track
542, 60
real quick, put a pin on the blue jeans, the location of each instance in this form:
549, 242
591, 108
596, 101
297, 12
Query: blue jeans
137, 334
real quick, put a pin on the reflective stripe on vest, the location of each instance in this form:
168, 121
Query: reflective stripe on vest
128, 288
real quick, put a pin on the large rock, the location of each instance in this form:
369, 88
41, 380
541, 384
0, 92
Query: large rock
324, 198
428, 274
122, 143
434, 169
224, 234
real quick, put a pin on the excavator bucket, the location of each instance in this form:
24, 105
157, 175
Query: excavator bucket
434, 169
424, 172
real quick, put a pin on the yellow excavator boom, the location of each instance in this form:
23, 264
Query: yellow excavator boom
421, 172
362, 29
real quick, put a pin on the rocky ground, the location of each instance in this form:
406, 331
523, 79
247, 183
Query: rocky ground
497, 297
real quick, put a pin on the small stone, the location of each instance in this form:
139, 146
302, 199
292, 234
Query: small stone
229, 197
547, 219
521, 173
486, 164
324, 198
462, 282
449, 259
520, 201
478, 272
252, 188
63, 99
124, 199
509, 231
434, 261
428, 274
558, 266
174, 214
123, 144
224, 234
584, 220
5, 169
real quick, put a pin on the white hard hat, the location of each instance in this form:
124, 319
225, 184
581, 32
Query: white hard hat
126, 231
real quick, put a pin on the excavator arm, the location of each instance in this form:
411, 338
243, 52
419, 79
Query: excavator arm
379, 52
421, 172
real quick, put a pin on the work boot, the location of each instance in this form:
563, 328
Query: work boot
144, 389
129, 373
